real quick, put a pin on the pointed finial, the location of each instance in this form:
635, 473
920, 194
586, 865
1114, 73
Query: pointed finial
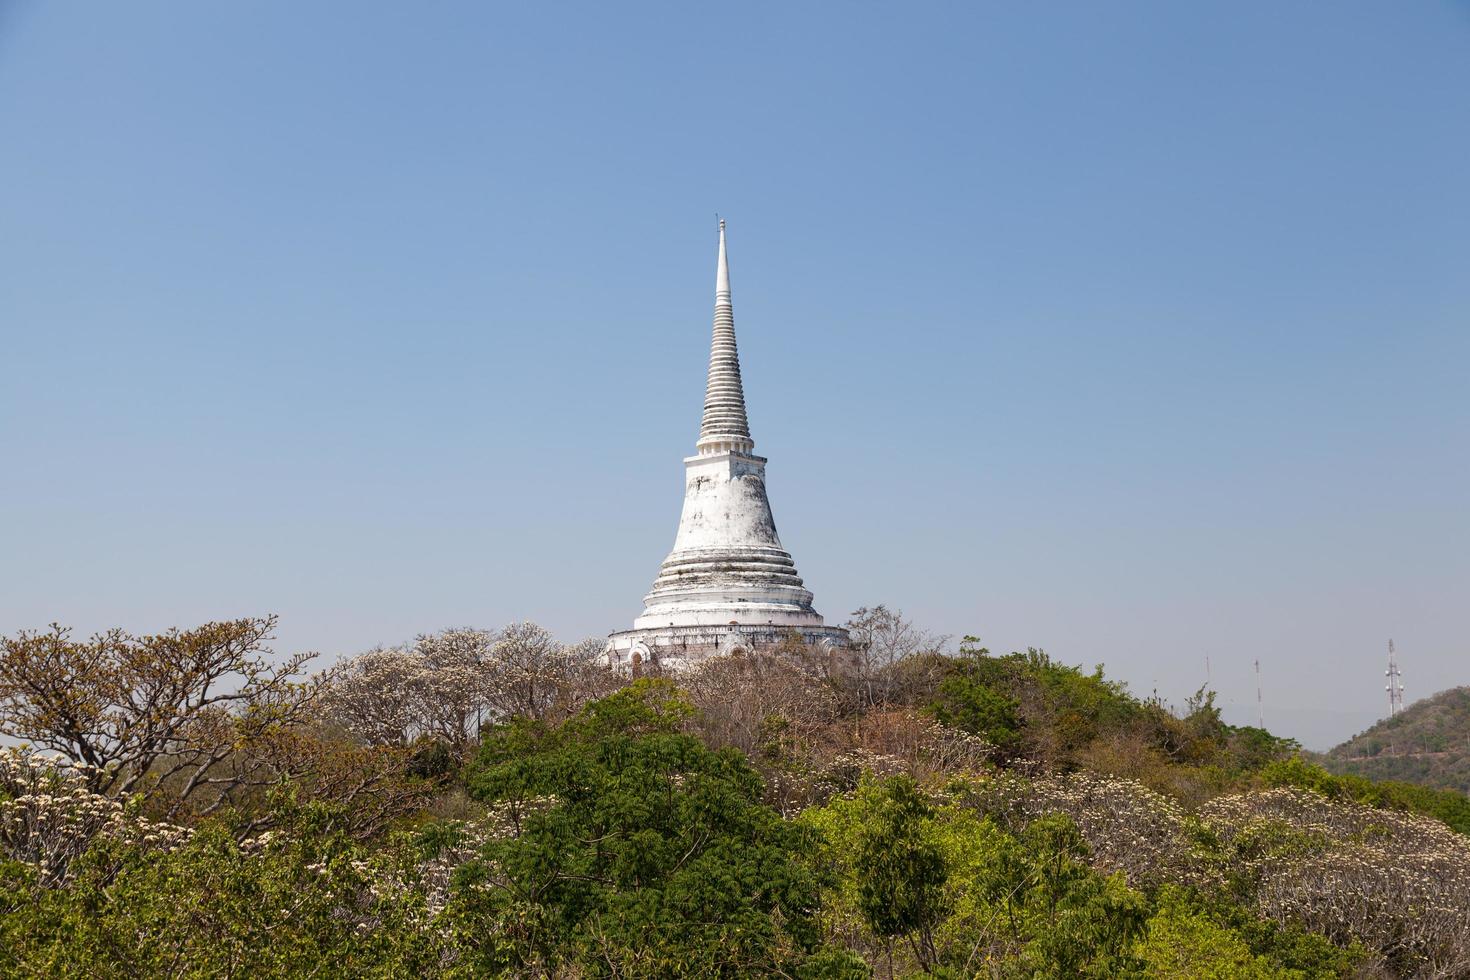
722, 270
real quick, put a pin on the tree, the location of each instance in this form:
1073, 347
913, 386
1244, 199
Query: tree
640, 852
535, 675
901, 892
454, 684
436, 689
447, 684
1082, 924
172, 713
374, 696
882, 642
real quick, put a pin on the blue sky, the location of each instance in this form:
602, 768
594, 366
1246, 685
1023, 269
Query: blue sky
1135, 331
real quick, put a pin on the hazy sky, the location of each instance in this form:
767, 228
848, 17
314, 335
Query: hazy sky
1139, 332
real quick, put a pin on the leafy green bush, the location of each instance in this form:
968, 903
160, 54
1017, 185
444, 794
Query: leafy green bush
654, 857
1186, 945
296, 903
964, 896
1028, 701
1212, 935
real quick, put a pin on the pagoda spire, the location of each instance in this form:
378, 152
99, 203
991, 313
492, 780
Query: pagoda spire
728, 585
724, 427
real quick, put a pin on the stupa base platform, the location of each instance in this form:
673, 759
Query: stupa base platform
673, 648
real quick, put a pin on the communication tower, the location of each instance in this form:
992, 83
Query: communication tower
1395, 685
1260, 706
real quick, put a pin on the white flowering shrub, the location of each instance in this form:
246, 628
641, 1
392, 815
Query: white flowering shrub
49, 819
1397, 882
1127, 826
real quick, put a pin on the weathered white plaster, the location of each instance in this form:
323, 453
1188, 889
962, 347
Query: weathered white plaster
728, 584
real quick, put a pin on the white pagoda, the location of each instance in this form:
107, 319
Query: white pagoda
728, 585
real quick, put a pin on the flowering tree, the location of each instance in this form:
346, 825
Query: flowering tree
446, 684
533, 674
436, 688
153, 713
374, 695
454, 683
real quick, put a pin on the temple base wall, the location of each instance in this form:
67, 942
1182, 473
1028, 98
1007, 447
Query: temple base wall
674, 648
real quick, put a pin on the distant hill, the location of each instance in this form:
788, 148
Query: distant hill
1427, 743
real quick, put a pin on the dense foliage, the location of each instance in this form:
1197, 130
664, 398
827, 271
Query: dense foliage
655, 856
908, 814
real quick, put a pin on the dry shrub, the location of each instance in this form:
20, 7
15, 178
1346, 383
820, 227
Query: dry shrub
1125, 755
919, 745
772, 705
785, 711
889, 743
763, 702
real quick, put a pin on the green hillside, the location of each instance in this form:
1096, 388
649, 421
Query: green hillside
1428, 743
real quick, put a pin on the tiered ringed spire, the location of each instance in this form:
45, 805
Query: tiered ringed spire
725, 427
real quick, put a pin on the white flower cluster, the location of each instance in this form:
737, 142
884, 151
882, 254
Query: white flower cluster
843, 773
1398, 882
1128, 826
48, 818
954, 750
386, 878
501, 822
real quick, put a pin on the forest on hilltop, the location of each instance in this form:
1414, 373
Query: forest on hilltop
498, 803
1427, 743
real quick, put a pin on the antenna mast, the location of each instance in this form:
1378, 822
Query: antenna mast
1395, 685
1260, 707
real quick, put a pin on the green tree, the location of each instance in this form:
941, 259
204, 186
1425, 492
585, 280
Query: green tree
648, 854
901, 894
972, 697
1078, 922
